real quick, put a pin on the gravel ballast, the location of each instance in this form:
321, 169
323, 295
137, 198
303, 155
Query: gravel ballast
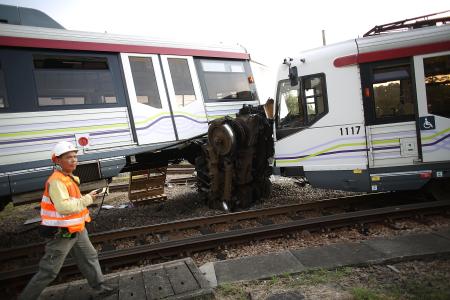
183, 201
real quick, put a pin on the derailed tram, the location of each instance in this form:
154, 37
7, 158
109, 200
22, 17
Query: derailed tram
127, 103
370, 114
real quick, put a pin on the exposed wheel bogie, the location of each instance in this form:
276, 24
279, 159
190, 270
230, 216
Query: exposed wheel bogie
233, 169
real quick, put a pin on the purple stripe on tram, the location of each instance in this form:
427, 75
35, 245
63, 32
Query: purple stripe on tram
37, 139
340, 140
67, 136
168, 117
437, 141
322, 154
385, 148
109, 132
342, 151
97, 133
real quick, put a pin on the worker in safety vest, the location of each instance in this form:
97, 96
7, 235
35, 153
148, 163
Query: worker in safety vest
64, 213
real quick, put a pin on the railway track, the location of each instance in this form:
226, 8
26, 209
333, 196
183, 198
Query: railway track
180, 238
26, 254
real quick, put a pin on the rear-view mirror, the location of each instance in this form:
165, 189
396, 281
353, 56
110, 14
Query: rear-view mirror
293, 75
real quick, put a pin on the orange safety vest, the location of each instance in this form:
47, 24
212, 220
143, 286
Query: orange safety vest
49, 215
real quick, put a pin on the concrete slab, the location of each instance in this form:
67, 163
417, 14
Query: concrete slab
201, 280
337, 255
113, 281
180, 277
78, 292
176, 280
131, 286
410, 246
257, 267
54, 292
209, 273
157, 284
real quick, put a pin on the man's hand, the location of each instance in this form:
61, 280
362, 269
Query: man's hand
93, 194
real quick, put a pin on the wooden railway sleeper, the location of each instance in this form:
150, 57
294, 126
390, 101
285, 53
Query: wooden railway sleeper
363, 228
422, 219
392, 224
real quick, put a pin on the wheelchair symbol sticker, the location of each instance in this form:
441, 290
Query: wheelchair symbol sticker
427, 123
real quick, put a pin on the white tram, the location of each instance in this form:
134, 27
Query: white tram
121, 99
370, 114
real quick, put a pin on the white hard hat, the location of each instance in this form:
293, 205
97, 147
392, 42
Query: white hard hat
61, 148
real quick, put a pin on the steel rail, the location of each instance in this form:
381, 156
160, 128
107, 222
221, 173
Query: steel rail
124, 257
195, 223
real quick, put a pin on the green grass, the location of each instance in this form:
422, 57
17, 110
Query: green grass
320, 276
360, 293
429, 286
275, 280
433, 288
232, 291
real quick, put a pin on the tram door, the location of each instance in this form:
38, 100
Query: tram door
185, 96
390, 113
433, 95
148, 100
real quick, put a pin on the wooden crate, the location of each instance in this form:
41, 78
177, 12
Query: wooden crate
147, 185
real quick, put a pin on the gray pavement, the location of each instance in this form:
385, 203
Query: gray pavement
410, 246
181, 279
375, 251
337, 255
251, 267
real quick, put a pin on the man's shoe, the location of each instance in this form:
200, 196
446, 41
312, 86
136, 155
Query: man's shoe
105, 290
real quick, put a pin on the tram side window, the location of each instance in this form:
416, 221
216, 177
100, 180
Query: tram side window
437, 82
73, 80
144, 80
182, 81
226, 80
314, 96
3, 98
290, 110
302, 104
392, 92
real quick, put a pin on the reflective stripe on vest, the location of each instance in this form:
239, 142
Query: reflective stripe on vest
50, 217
